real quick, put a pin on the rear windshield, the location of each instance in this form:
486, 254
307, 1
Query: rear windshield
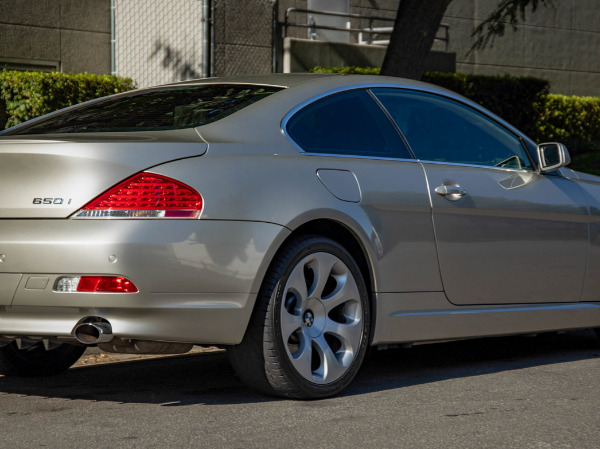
160, 109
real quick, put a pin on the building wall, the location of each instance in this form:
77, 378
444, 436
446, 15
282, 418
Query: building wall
243, 37
159, 41
559, 43
65, 35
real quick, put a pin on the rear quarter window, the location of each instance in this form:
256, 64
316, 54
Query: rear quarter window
349, 123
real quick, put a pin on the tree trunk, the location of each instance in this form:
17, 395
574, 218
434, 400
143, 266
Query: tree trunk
415, 28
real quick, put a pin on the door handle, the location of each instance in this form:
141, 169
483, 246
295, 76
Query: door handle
450, 192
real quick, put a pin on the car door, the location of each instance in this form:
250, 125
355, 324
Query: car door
363, 161
504, 232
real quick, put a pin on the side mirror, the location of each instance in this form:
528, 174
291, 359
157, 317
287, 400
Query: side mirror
552, 156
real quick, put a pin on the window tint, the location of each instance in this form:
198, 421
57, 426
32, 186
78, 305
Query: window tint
440, 129
165, 108
350, 123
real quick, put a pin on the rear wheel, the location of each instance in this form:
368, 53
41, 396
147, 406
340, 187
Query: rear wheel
309, 333
36, 360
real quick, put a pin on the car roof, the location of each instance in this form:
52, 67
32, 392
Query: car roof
273, 79
289, 80
301, 89
298, 89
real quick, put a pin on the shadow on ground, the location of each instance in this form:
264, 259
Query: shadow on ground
207, 378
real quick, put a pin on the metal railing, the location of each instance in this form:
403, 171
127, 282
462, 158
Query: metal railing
373, 34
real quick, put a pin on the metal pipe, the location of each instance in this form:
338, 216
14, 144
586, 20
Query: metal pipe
113, 69
274, 34
93, 332
212, 39
206, 38
370, 31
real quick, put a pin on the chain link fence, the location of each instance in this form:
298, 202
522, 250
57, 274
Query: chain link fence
158, 41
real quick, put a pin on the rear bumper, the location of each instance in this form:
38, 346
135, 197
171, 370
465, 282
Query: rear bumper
197, 279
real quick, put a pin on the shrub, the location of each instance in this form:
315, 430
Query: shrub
27, 95
574, 121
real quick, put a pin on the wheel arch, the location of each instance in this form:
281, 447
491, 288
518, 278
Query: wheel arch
346, 237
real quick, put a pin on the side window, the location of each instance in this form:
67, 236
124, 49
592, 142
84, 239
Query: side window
350, 123
440, 129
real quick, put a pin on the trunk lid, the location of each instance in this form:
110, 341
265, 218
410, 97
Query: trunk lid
54, 176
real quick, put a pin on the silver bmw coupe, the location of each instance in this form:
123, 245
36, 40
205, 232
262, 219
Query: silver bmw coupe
296, 220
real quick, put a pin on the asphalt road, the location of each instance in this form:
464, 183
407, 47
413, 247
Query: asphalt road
513, 392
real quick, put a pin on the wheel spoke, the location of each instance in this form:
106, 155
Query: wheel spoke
330, 369
346, 290
289, 324
348, 334
297, 284
322, 265
303, 358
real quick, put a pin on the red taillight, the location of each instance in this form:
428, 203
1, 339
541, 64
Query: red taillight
145, 196
107, 284
93, 284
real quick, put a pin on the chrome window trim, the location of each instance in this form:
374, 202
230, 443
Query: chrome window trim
393, 122
462, 164
491, 118
352, 156
418, 161
445, 94
329, 93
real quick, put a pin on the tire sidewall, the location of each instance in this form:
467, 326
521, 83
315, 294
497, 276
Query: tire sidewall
305, 387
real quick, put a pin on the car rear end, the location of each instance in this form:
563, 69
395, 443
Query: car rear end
99, 246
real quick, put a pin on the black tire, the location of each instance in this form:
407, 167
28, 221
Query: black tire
36, 361
298, 344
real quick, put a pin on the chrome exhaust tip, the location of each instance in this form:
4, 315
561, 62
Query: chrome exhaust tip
93, 332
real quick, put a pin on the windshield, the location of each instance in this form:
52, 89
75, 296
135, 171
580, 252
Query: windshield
160, 109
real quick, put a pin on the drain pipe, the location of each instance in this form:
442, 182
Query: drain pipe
113, 70
211, 66
206, 38
275, 38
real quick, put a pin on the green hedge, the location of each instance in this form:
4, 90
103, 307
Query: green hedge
572, 120
26, 95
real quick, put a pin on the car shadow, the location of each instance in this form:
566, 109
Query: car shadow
399, 368
207, 378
